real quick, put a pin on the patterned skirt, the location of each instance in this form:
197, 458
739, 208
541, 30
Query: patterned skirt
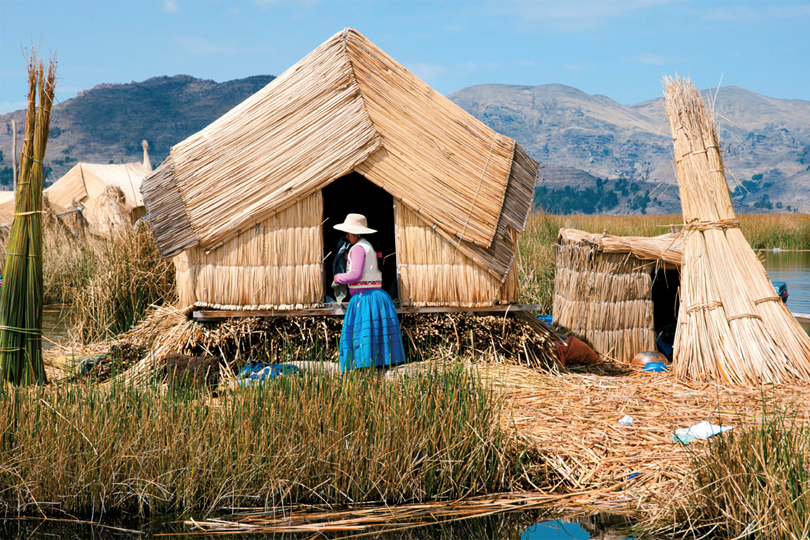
371, 335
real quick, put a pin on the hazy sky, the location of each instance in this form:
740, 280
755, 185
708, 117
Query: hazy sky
617, 48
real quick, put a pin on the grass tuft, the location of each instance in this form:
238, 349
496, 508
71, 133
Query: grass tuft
316, 438
752, 482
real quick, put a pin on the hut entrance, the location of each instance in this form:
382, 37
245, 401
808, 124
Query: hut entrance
665, 306
354, 194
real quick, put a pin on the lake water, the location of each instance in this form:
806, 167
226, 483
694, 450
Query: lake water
792, 267
510, 526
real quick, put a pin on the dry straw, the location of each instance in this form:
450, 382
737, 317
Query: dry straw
21, 299
732, 326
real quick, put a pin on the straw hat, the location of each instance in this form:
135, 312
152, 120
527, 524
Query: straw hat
355, 224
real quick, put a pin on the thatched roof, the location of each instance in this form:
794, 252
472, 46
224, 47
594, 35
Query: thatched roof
87, 181
347, 106
666, 247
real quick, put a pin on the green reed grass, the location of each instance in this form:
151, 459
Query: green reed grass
125, 276
752, 482
106, 284
316, 438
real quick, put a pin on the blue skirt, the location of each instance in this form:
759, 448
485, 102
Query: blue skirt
371, 335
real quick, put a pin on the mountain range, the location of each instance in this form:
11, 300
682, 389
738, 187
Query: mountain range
596, 155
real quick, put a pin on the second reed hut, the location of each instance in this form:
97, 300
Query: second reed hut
89, 188
617, 293
246, 206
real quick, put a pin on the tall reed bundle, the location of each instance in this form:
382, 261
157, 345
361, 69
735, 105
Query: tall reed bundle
21, 299
732, 327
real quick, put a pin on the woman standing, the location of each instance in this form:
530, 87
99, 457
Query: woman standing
371, 335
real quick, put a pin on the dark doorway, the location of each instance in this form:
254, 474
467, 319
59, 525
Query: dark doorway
353, 194
665, 308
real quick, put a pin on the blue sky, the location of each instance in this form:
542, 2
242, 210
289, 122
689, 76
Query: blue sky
619, 48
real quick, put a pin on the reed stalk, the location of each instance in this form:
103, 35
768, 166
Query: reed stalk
21, 297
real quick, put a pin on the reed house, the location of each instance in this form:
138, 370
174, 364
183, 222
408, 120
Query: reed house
87, 188
246, 206
619, 294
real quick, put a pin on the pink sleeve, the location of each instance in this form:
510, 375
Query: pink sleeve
357, 261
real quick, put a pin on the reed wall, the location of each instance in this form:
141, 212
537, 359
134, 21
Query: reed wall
276, 264
605, 299
433, 273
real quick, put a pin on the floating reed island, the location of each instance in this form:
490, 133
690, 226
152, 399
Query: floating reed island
244, 209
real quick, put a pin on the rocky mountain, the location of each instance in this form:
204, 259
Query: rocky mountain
107, 123
767, 144
597, 155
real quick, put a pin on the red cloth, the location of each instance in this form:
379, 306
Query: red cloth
575, 352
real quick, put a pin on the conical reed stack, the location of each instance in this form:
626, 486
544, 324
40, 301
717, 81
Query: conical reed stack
732, 326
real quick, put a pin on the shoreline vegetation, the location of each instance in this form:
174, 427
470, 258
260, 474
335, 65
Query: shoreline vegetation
458, 426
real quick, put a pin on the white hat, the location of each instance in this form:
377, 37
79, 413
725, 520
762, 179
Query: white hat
355, 224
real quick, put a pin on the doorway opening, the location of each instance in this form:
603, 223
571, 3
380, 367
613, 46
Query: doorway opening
665, 298
353, 194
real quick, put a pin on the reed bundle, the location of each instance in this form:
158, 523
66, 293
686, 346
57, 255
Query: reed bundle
666, 247
387, 520
731, 325
346, 107
107, 214
605, 299
21, 297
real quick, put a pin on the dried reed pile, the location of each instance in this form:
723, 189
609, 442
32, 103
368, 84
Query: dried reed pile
573, 419
21, 297
516, 338
732, 327
605, 299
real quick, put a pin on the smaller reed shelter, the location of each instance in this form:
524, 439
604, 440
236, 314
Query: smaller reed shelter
101, 192
617, 293
246, 206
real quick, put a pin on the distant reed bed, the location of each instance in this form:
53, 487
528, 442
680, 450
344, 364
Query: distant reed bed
106, 284
316, 438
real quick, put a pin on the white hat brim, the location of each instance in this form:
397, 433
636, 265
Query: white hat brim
354, 229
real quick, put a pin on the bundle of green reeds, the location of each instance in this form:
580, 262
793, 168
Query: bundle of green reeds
731, 325
21, 300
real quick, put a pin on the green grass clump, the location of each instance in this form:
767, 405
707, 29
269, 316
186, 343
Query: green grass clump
316, 438
106, 284
754, 481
